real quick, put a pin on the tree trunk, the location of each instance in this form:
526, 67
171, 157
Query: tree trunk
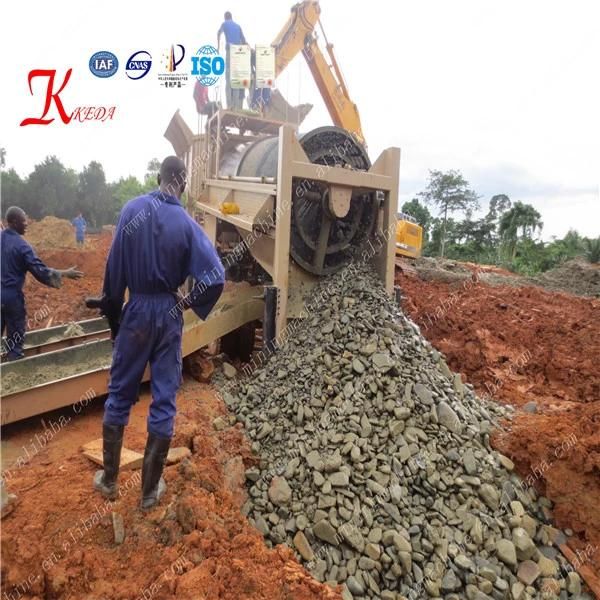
444, 232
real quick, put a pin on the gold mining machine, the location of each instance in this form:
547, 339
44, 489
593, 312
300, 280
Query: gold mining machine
284, 208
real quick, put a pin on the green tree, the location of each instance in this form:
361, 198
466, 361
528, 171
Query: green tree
2, 158
421, 214
94, 195
450, 192
521, 216
122, 191
51, 189
13, 189
592, 249
499, 204
152, 171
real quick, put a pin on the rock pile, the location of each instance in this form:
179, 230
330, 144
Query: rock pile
376, 465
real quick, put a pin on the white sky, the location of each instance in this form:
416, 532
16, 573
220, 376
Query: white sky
507, 92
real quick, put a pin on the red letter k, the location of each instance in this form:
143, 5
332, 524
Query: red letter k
49, 97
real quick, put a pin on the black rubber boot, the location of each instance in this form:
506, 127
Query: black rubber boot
105, 481
153, 485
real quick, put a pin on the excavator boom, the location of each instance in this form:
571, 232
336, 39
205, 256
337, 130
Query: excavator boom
298, 35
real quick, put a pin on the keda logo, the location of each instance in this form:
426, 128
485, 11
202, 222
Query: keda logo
208, 65
138, 65
104, 64
81, 113
169, 77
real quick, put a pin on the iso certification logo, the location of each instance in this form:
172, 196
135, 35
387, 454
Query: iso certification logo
208, 65
103, 64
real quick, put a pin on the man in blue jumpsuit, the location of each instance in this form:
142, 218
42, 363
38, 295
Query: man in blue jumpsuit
156, 246
18, 258
80, 226
233, 35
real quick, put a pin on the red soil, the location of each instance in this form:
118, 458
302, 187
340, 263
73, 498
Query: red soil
58, 541
520, 345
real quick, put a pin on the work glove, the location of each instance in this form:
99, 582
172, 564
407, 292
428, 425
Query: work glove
72, 273
108, 309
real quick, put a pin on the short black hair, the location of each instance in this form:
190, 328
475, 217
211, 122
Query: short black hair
228, 16
172, 171
14, 213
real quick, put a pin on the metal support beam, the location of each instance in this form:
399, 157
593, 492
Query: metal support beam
269, 319
284, 223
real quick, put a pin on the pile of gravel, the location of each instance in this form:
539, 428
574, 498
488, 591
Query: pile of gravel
376, 465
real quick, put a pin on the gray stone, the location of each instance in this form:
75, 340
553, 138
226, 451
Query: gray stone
528, 572
358, 366
280, 492
252, 474
466, 564
523, 543
261, 524
450, 582
355, 588
339, 479
402, 544
177, 454
424, 395
382, 361
219, 424
490, 495
229, 370
469, 462
373, 551
506, 552
324, 531
352, 535
448, 418
573, 583
508, 464
303, 547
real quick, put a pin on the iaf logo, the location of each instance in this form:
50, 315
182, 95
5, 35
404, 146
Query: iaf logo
208, 65
104, 64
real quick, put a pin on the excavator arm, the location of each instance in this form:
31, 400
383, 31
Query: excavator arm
298, 35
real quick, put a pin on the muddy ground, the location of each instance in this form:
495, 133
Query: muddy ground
538, 351
59, 541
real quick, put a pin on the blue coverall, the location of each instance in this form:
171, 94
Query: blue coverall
80, 227
17, 257
157, 245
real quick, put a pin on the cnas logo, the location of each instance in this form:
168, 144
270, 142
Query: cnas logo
208, 65
103, 64
138, 64
81, 113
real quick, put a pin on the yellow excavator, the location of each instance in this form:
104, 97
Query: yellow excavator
298, 35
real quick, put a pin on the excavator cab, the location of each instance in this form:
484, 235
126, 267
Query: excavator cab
409, 236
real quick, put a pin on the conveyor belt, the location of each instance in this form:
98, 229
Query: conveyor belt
62, 336
55, 377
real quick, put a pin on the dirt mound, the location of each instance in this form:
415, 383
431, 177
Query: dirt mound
67, 303
522, 345
51, 232
58, 542
575, 276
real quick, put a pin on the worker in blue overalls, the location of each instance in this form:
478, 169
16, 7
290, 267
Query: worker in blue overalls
233, 35
156, 246
18, 258
80, 226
